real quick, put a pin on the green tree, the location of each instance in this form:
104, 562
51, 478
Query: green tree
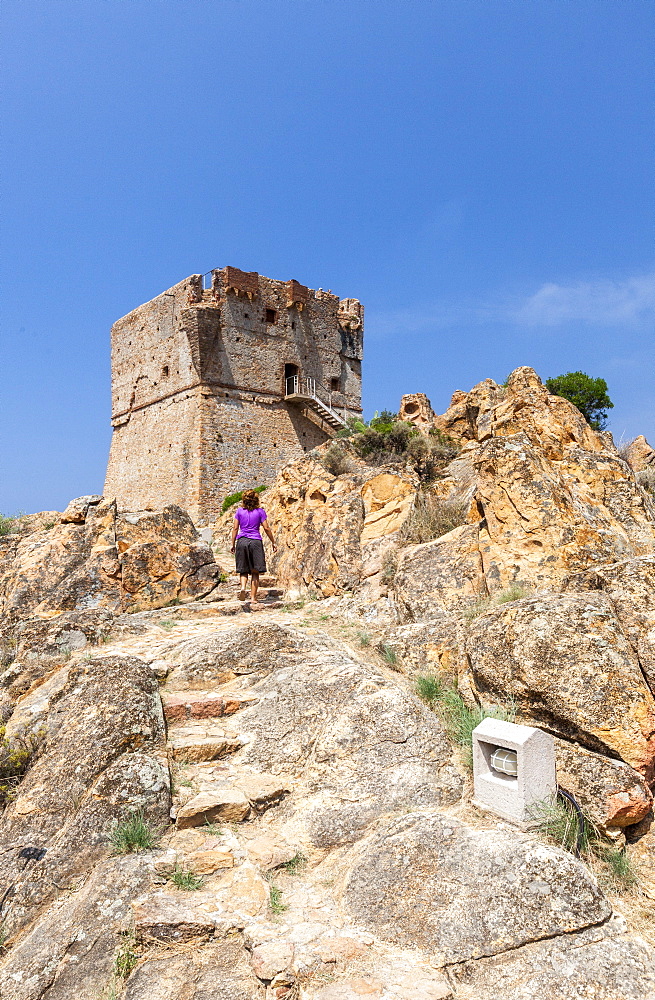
588, 394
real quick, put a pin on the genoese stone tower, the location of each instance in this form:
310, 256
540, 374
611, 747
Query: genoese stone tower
215, 388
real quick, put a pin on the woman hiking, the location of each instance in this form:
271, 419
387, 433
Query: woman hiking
247, 543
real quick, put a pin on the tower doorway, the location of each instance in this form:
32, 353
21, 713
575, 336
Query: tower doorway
290, 379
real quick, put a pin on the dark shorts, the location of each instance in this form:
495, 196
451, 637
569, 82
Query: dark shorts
250, 556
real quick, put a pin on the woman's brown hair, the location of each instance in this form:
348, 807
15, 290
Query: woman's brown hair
250, 500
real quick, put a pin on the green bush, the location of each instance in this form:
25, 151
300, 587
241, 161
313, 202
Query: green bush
386, 440
15, 760
133, 834
7, 525
186, 879
276, 901
336, 460
237, 497
126, 957
297, 864
459, 720
588, 394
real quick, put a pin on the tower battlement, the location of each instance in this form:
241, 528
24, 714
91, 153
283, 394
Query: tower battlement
215, 388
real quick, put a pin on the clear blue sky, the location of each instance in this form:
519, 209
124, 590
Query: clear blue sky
478, 172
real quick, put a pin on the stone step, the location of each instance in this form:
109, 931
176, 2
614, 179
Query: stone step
194, 744
243, 796
182, 705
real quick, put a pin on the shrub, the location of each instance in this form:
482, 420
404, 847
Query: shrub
185, 878
275, 899
133, 834
389, 654
621, 873
364, 639
7, 525
431, 518
336, 460
15, 760
559, 822
459, 720
237, 497
646, 479
389, 567
125, 958
515, 592
296, 864
588, 394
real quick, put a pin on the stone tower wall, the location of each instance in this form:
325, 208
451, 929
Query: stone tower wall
198, 387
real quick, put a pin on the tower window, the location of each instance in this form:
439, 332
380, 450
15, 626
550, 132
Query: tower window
164, 371
334, 385
271, 316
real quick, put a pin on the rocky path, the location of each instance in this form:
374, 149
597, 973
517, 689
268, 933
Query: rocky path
319, 847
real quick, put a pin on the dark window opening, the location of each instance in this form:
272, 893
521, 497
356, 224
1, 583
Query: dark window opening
293, 324
164, 371
334, 385
271, 316
247, 315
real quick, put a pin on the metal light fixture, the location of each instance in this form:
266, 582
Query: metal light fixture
505, 761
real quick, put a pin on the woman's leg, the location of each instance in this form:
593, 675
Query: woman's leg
243, 586
254, 587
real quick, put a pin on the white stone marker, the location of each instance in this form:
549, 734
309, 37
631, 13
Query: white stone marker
513, 796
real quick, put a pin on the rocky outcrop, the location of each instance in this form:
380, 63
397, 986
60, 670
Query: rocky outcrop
630, 587
314, 837
457, 894
416, 409
611, 794
552, 497
600, 961
639, 454
333, 531
100, 754
329, 842
95, 558
566, 664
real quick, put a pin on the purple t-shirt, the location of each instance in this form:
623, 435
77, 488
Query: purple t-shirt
249, 521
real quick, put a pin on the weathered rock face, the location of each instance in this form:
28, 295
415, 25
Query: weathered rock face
630, 586
610, 793
598, 962
342, 798
552, 497
332, 530
102, 743
97, 558
357, 746
458, 894
639, 454
70, 950
442, 575
415, 408
569, 668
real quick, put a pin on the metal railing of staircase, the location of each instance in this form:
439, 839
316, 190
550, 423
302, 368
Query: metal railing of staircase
305, 385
